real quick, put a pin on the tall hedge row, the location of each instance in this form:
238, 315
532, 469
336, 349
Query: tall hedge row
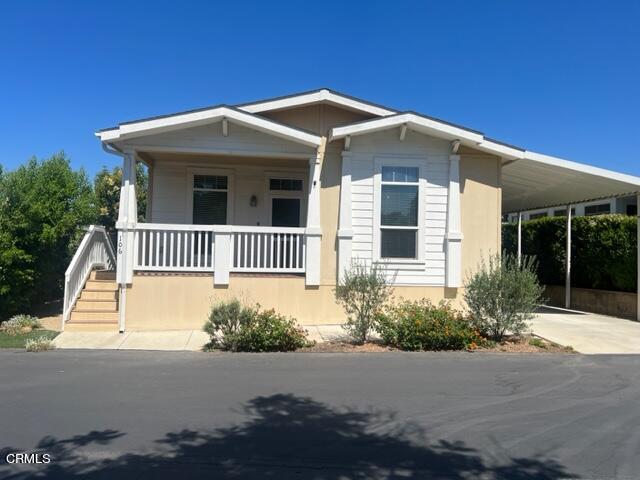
603, 256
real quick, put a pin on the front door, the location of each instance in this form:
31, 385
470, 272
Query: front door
285, 212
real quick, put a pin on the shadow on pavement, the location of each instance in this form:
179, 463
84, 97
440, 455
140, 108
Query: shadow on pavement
286, 437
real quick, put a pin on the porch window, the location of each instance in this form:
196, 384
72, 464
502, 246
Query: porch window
285, 184
210, 199
399, 212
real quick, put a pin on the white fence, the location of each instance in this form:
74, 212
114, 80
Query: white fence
192, 248
94, 251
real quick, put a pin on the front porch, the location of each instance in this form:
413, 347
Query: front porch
219, 214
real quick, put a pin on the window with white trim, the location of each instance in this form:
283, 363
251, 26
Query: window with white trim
399, 198
210, 197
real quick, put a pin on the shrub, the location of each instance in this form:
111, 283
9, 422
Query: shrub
420, 325
363, 293
20, 324
502, 295
240, 328
39, 344
603, 254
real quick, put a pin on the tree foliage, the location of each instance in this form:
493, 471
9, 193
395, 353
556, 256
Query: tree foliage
107, 190
43, 207
604, 250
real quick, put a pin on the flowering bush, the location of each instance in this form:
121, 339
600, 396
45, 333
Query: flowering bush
39, 344
20, 324
421, 325
240, 328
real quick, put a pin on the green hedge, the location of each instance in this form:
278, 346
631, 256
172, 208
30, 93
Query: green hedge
604, 250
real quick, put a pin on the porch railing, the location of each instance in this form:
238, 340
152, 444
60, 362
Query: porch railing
178, 248
192, 248
94, 251
268, 249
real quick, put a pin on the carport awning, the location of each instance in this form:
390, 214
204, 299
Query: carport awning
539, 181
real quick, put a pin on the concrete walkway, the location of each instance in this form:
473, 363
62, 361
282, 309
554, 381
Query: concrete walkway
170, 340
176, 340
588, 332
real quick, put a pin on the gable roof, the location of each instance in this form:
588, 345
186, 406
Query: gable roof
529, 179
192, 118
322, 95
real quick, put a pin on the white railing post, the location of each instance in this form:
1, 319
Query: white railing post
222, 254
127, 219
567, 279
453, 250
345, 231
313, 231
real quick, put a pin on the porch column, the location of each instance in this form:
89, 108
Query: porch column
519, 238
313, 230
127, 219
567, 281
638, 257
222, 254
453, 237
345, 229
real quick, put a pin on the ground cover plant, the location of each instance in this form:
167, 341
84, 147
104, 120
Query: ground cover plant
421, 325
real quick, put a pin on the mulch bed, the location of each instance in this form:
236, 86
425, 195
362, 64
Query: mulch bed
509, 345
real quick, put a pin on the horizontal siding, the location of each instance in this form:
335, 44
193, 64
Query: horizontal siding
364, 151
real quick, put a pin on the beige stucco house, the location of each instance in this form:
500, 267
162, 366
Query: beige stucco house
271, 201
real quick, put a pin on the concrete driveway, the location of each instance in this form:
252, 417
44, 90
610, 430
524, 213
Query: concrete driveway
588, 332
166, 415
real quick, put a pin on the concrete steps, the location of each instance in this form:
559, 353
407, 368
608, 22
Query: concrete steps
97, 308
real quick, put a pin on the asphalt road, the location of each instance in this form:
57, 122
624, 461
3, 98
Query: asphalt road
120, 415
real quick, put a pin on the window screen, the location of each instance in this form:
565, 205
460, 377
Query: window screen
210, 199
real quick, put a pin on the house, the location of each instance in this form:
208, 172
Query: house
271, 201
624, 205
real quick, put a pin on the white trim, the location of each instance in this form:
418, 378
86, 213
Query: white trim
453, 237
317, 96
345, 226
474, 140
226, 172
202, 117
412, 121
301, 195
386, 160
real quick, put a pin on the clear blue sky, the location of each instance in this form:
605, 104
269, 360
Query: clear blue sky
557, 77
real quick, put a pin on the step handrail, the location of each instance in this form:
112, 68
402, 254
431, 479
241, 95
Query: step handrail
94, 251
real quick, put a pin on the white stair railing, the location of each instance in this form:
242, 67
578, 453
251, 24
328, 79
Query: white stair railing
94, 251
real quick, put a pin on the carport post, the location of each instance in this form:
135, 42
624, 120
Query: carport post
519, 238
567, 283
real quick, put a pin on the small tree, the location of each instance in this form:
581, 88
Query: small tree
502, 295
363, 292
